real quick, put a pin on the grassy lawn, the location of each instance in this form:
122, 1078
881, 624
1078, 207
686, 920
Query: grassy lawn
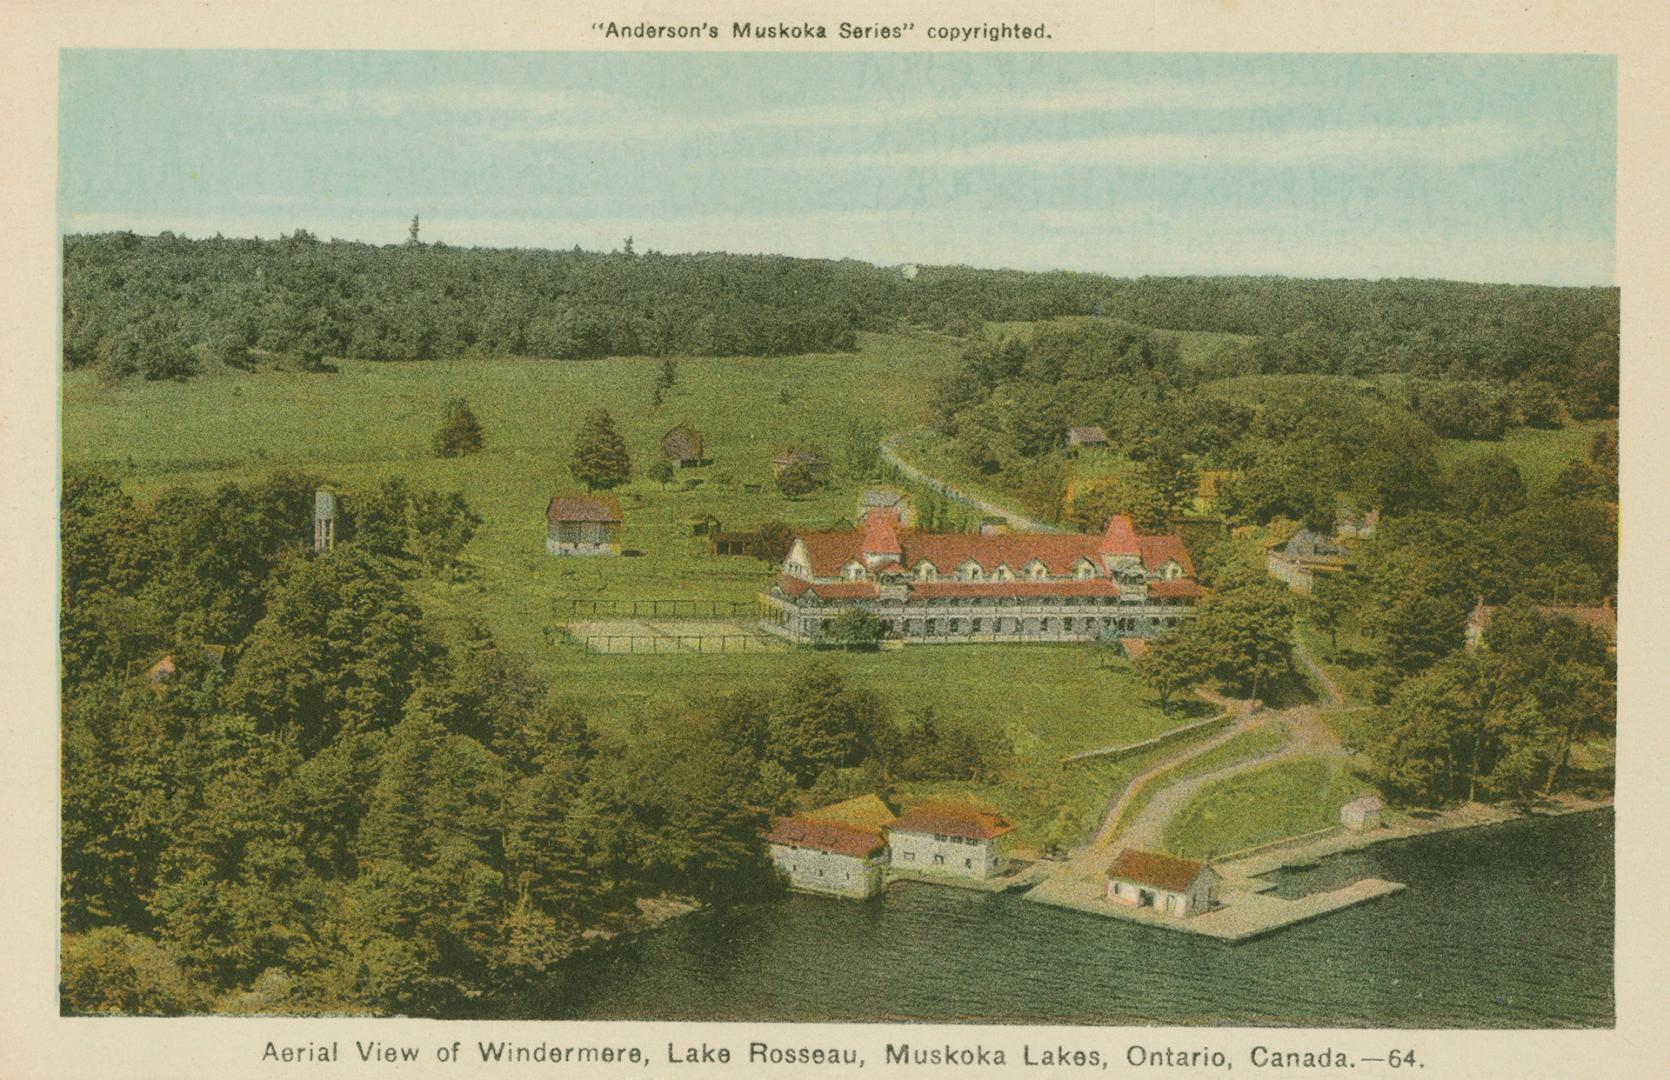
1540, 454
1285, 798
1052, 805
1248, 744
370, 421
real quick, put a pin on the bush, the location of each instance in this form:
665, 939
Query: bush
109, 970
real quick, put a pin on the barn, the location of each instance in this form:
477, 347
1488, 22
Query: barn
582, 525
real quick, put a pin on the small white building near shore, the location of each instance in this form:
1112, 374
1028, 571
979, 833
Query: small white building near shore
1363, 813
1167, 885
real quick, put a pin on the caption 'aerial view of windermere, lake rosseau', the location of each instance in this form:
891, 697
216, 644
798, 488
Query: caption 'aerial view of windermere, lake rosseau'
1006, 538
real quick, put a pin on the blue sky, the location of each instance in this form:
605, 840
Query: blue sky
1490, 168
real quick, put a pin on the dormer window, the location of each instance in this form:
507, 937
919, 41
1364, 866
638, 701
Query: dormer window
1036, 570
970, 571
927, 571
1084, 570
1003, 573
1172, 571
854, 572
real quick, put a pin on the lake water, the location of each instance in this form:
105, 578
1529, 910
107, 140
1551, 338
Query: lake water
1502, 927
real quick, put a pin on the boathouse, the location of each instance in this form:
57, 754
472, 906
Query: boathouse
951, 838
1168, 885
839, 849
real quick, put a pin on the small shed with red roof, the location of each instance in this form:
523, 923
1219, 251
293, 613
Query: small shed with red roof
1168, 885
955, 838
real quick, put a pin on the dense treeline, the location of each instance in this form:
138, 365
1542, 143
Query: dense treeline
285, 789
165, 306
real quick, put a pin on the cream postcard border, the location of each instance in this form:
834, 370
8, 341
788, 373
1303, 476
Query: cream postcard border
36, 1042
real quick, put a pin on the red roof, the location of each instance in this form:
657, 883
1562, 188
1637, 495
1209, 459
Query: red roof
579, 508
1177, 587
928, 590
879, 535
1120, 537
829, 552
1152, 868
1157, 549
952, 819
830, 836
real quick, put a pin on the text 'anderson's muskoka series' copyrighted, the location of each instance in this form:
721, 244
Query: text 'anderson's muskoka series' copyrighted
867, 33
1066, 1055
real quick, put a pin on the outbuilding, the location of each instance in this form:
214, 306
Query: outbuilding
952, 838
1363, 813
1168, 885
682, 444
582, 525
1086, 435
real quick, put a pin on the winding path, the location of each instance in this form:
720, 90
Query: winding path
985, 506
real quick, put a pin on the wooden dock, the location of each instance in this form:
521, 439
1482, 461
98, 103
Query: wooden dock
1243, 914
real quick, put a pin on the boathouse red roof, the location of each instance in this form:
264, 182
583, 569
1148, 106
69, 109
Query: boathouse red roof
937, 817
830, 836
1151, 868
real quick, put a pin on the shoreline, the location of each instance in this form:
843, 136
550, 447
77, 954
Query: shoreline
1246, 908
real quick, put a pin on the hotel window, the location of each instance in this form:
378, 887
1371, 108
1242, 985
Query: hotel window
939, 860
940, 837
910, 856
969, 863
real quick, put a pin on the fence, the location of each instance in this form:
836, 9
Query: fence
676, 643
713, 609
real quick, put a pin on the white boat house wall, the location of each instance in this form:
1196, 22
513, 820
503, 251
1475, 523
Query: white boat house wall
1167, 885
949, 839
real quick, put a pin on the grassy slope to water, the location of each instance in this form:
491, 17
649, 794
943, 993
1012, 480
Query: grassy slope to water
1285, 798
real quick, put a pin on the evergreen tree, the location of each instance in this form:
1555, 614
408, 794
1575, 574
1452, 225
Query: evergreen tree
461, 433
601, 460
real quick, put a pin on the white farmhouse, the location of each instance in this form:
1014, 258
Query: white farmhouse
838, 849
1172, 886
954, 839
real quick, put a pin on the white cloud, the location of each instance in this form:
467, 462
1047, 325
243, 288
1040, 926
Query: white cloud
1083, 98
457, 98
1453, 144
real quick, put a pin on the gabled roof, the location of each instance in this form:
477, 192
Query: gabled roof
943, 817
880, 535
1152, 868
830, 836
583, 508
1089, 433
1156, 550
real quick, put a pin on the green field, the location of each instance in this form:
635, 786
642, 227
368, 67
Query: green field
1539, 453
371, 421
1285, 798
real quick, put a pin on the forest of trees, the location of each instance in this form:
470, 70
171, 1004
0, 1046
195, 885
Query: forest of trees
166, 307
325, 803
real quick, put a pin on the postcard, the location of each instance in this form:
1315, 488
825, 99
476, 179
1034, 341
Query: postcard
684, 541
